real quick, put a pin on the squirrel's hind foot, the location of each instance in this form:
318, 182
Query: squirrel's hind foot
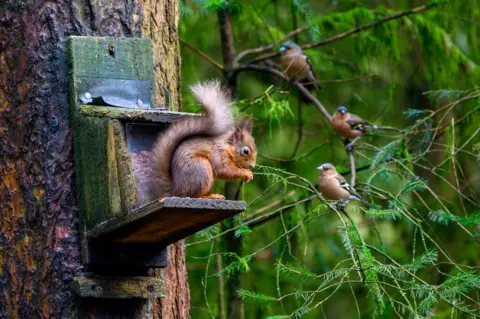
213, 196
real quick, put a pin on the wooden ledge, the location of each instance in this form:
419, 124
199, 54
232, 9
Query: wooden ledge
131, 114
119, 287
166, 221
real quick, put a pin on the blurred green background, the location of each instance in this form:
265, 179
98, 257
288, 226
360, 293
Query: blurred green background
418, 73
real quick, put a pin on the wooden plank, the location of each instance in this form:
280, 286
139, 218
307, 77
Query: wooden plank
111, 58
105, 178
126, 175
133, 115
119, 287
112, 186
92, 173
166, 221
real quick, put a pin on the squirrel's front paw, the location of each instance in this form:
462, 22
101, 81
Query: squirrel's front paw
248, 176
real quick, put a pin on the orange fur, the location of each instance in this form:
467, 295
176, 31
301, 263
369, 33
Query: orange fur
195, 151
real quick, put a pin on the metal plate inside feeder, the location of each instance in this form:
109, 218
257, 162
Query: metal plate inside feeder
141, 137
115, 92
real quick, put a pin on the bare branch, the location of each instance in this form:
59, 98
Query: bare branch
202, 54
259, 68
281, 160
313, 99
276, 213
262, 210
340, 36
360, 78
353, 172
266, 48
362, 168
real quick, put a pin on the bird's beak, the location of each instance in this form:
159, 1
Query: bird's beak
320, 168
283, 49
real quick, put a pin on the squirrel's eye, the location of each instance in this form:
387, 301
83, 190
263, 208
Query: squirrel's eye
245, 151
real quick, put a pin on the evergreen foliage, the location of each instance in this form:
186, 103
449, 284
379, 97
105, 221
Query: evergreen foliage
414, 254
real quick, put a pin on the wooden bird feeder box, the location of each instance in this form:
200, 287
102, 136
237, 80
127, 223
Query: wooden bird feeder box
112, 97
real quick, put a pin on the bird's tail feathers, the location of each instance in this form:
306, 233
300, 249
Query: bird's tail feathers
357, 197
371, 127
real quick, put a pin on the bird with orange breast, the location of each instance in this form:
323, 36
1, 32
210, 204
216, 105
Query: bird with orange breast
334, 186
297, 65
350, 126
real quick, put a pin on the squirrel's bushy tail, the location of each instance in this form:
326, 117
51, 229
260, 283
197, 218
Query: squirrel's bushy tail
217, 119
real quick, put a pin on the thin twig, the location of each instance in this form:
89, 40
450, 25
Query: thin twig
353, 175
340, 36
202, 54
259, 68
362, 168
281, 160
299, 129
275, 213
359, 78
266, 48
260, 211
313, 99
454, 166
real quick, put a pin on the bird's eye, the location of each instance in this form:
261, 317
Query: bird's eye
245, 151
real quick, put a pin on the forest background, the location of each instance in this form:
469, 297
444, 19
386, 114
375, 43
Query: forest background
409, 64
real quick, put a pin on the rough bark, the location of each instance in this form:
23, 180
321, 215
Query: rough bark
39, 242
160, 23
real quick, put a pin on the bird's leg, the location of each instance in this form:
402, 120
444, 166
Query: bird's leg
349, 146
340, 205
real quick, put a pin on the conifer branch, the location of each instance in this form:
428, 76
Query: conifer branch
417, 10
298, 85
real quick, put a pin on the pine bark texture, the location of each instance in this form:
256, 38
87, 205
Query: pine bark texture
39, 240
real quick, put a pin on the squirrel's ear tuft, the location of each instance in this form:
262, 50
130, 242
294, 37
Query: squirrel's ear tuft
248, 124
236, 136
240, 122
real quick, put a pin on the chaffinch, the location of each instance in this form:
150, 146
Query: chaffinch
296, 64
350, 126
334, 186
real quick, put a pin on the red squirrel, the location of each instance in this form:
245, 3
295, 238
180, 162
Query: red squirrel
194, 151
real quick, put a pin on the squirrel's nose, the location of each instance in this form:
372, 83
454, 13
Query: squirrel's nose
252, 165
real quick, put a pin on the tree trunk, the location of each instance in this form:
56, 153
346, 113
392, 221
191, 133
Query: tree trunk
39, 239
